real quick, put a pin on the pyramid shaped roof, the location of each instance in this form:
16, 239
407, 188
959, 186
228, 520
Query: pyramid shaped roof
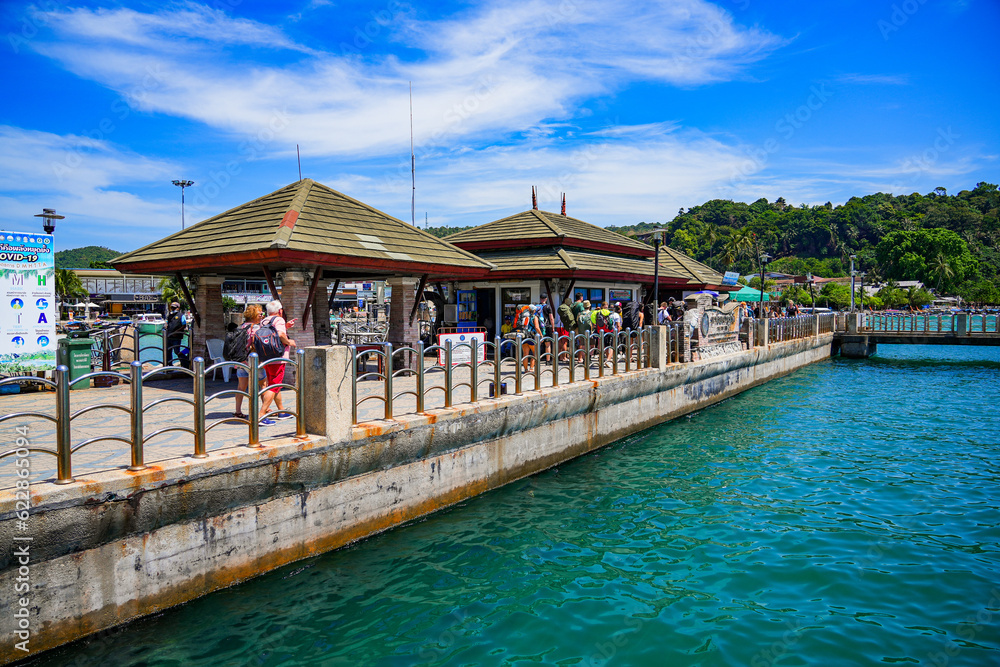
304, 224
677, 263
542, 228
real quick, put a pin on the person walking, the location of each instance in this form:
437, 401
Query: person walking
251, 322
276, 372
568, 328
584, 325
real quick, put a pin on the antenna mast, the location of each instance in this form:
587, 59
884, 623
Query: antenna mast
413, 167
298, 157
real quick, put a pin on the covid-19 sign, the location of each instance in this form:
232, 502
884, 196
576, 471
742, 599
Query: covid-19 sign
27, 303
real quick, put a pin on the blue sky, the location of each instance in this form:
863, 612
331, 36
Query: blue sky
633, 109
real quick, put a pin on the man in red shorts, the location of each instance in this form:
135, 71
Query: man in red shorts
276, 372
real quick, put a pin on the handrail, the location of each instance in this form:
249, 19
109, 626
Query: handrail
137, 438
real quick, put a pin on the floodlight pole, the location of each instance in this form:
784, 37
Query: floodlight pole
182, 184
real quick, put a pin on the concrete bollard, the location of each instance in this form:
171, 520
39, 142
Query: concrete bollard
658, 347
328, 392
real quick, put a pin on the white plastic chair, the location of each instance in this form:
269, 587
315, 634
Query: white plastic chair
215, 346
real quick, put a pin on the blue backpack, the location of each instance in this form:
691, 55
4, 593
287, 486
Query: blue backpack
266, 342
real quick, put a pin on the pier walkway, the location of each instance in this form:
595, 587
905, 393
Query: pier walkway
861, 334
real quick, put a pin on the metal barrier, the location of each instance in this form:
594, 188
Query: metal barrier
932, 323
520, 361
64, 416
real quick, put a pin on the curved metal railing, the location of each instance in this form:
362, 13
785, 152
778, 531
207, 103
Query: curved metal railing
137, 409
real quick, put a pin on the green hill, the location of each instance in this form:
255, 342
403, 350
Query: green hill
950, 242
81, 258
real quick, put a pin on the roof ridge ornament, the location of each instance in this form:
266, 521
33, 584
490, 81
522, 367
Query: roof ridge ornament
534, 199
564, 203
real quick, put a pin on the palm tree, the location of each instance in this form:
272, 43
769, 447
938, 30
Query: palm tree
170, 290
942, 269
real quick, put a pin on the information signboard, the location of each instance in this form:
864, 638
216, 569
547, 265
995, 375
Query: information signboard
463, 354
730, 278
27, 303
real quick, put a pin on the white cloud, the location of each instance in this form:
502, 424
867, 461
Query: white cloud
85, 180
496, 69
876, 79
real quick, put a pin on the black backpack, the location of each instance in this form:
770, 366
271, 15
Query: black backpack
237, 345
627, 321
266, 342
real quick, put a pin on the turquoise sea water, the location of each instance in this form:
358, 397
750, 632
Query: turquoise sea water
844, 515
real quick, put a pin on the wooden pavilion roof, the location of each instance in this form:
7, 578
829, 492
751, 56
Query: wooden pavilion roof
678, 264
535, 228
308, 225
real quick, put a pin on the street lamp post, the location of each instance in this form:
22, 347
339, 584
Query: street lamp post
763, 260
657, 242
812, 299
861, 277
48, 216
182, 185
853, 257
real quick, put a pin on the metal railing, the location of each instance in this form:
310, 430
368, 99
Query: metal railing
137, 438
826, 323
503, 365
934, 323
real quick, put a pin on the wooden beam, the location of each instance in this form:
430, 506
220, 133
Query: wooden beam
187, 296
552, 304
569, 292
420, 297
333, 294
270, 283
312, 293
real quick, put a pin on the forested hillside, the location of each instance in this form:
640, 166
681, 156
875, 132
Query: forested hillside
81, 258
950, 242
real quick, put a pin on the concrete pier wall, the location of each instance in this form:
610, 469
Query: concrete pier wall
119, 545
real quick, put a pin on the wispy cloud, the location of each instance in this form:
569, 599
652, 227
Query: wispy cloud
875, 79
494, 69
86, 180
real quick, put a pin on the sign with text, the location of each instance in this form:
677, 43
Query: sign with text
461, 346
27, 303
730, 278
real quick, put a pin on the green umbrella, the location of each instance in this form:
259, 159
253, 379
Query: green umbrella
748, 294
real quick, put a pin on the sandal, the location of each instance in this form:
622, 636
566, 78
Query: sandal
240, 415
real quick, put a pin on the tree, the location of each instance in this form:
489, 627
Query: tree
68, 284
926, 255
918, 297
170, 290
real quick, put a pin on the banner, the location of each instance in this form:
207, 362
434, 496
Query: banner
27, 303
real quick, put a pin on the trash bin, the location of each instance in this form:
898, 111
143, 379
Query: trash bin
75, 353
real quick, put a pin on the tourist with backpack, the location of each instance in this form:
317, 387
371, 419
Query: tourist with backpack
238, 348
601, 319
568, 321
271, 336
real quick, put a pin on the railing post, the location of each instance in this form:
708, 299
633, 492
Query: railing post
497, 356
538, 362
199, 408
447, 373
354, 383
387, 367
554, 358
474, 371
136, 351
136, 414
166, 341
572, 357
254, 400
300, 393
420, 376
64, 446
518, 358
600, 362
586, 356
